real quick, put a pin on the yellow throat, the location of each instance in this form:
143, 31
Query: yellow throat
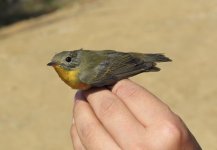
70, 77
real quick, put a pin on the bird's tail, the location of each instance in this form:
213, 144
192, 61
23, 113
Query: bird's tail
156, 58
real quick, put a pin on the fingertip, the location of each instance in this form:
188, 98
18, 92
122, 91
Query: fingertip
92, 91
80, 96
127, 89
79, 102
125, 86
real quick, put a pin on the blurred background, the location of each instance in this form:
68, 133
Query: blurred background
36, 106
15, 10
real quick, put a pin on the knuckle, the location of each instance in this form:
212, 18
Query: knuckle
106, 108
121, 88
87, 131
128, 91
174, 133
132, 92
171, 131
119, 85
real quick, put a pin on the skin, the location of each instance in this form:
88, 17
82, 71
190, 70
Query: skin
127, 117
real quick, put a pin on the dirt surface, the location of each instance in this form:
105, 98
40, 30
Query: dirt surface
36, 106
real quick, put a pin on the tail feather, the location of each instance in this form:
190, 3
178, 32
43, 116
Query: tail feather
156, 58
150, 67
153, 69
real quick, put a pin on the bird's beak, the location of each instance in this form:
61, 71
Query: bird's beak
52, 63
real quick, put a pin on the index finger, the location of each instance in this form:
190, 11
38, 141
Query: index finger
146, 107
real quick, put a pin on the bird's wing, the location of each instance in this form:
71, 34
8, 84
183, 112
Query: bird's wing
115, 66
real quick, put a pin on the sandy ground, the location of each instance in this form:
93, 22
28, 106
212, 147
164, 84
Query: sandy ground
36, 106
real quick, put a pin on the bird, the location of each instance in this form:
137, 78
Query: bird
85, 69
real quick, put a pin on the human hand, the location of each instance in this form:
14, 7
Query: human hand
127, 117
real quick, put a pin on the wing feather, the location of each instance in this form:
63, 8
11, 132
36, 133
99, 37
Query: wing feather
115, 66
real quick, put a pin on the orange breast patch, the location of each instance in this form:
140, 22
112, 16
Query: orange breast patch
70, 77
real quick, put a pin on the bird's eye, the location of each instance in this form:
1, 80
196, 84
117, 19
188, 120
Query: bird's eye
68, 59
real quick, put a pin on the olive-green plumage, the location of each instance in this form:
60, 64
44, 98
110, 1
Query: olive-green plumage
100, 68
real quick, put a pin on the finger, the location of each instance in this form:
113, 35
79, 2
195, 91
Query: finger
145, 106
77, 145
116, 118
92, 134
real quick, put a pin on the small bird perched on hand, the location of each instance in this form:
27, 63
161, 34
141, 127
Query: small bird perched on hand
83, 69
